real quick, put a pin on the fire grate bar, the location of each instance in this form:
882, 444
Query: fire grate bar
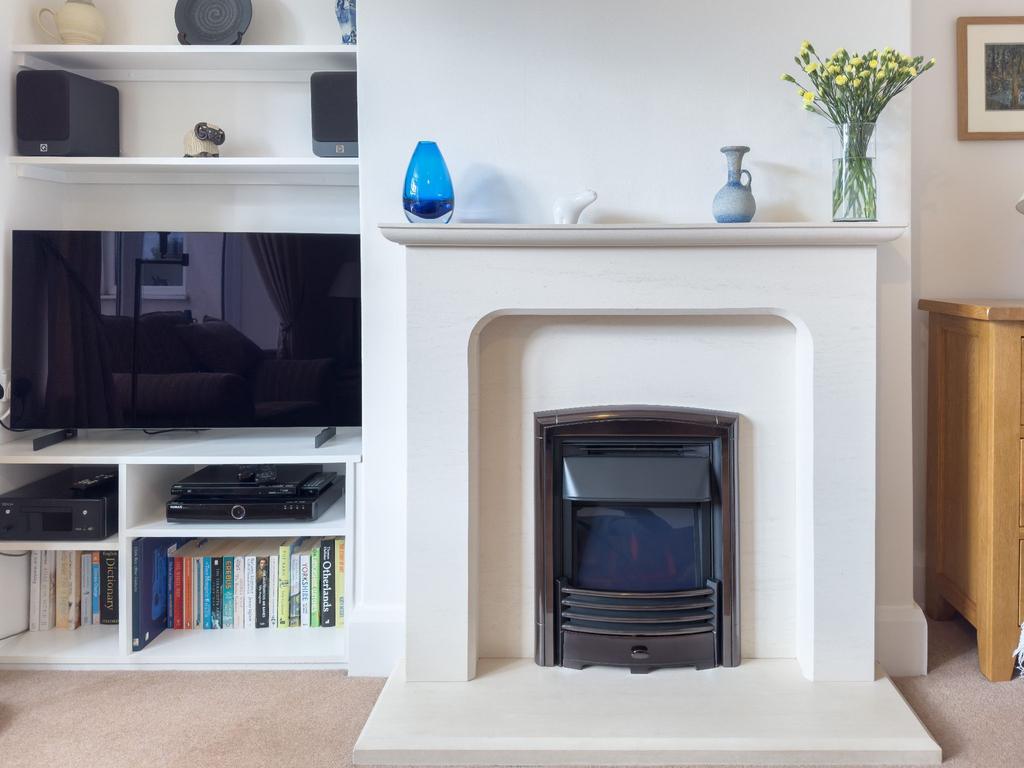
654, 618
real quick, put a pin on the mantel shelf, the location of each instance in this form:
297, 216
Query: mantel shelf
640, 235
274, 171
225, 63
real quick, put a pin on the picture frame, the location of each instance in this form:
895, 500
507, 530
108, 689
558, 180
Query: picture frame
990, 78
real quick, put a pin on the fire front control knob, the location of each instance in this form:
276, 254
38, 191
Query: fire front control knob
639, 652
238, 511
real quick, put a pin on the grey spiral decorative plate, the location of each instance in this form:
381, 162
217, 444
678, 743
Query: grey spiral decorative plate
212, 22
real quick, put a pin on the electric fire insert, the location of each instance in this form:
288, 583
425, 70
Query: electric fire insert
637, 549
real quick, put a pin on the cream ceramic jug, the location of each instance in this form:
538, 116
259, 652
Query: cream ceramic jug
78, 22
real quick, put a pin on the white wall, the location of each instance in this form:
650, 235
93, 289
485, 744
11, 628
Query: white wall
530, 364
633, 100
968, 239
528, 101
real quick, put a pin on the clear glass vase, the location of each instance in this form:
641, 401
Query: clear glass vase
854, 185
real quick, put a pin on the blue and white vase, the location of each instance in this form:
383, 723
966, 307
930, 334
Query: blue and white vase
734, 203
346, 12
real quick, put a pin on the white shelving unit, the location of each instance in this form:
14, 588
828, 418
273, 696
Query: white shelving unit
304, 171
199, 64
185, 63
147, 465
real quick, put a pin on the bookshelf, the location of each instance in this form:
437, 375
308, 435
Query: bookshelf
178, 63
147, 465
249, 171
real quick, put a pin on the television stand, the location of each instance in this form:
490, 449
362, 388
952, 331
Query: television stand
324, 435
52, 438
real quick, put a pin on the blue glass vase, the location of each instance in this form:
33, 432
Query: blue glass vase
428, 197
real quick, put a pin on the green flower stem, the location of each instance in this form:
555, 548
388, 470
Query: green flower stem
854, 186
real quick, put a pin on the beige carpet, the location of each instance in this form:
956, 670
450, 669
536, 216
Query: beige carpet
311, 719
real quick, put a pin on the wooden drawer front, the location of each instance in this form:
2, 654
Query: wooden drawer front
1020, 594
1020, 509
1022, 382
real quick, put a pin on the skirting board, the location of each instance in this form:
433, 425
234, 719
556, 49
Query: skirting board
901, 640
763, 712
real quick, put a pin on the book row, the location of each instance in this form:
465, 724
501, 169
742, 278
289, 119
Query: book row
70, 589
211, 584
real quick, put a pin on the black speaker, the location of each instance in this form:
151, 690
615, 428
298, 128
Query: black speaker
335, 119
66, 115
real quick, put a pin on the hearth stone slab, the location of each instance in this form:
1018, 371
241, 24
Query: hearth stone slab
763, 712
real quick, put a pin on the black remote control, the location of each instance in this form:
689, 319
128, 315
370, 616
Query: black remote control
89, 483
316, 484
258, 474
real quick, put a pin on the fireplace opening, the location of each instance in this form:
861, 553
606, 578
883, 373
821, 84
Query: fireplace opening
636, 538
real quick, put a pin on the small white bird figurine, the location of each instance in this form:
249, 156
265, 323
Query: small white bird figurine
569, 207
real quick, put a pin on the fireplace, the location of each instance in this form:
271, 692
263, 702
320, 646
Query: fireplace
636, 538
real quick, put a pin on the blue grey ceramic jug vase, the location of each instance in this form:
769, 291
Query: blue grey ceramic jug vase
734, 202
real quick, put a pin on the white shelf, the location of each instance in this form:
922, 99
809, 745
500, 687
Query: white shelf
331, 523
93, 644
272, 171
261, 647
186, 63
81, 545
292, 445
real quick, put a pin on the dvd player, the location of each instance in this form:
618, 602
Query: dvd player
247, 482
194, 509
77, 504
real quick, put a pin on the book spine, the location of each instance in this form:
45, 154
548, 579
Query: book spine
179, 593
304, 590
86, 566
108, 587
47, 590
227, 619
63, 589
239, 596
262, 590
208, 592
284, 565
216, 592
136, 593
250, 591
95, 587
35, 573
186, 592
314, 587
327, 615
295, 591
273, 589
169, 624
197, 592
75, 592
339, 582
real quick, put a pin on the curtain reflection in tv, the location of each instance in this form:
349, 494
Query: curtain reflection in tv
299, 272
76, 386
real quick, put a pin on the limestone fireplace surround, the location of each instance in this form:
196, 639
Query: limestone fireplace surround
819, 278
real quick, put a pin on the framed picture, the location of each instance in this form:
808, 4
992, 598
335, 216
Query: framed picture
990, 77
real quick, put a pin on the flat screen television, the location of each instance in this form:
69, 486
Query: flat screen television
165, 330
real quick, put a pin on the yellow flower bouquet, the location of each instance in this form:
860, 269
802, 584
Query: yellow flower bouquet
850, 90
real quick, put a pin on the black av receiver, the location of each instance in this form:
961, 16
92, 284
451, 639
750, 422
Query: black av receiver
261, 509
79, 503
261, 492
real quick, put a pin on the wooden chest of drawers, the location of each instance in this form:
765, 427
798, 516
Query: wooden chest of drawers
975, 526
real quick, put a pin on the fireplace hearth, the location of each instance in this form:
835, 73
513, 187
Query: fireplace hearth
636, 538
